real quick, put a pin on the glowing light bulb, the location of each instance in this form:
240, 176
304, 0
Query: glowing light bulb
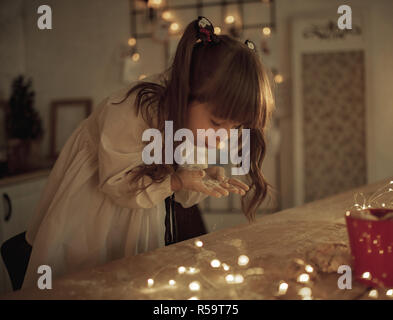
142, 76
167, 15
303, 278
239, 278
229, 19
389, 293
154, 3
150, 282
225, 266
305, 292
132, 42
373, 294
193, 298
199, 243
194, 286
174, 26
266, 31
309, 268
366, 275
172, 282
347, 213
230, 278
215, 263
191, 270
243, 260
136, 56
282, 289
181, 269
217, 30
278, 78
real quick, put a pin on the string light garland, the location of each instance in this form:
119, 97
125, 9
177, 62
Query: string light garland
383, 197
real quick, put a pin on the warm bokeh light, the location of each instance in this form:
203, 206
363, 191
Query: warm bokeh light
303, 278
167, 15
266, 31
278, 78
243, 260
150, 282
282, 289
132, 42
154, 3
199, 243
215, 263
229, 19
194, 286
136, 56
142, 76
309, 268
230, 278
217, 30
174, 27
373, 294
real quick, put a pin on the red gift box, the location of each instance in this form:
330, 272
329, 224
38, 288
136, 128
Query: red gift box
371, 243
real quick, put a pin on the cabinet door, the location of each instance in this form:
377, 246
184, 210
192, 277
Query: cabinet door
18, 203
23, 198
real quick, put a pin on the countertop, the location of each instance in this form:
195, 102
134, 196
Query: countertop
277, 245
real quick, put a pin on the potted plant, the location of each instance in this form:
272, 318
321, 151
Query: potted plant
23, 125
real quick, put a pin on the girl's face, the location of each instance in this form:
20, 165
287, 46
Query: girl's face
199, 117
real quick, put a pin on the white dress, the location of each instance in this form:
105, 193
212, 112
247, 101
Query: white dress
86, 215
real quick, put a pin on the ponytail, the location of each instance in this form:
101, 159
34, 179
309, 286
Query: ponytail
179, 84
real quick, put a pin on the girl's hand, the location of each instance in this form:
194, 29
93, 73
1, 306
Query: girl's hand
231, 184
193, 180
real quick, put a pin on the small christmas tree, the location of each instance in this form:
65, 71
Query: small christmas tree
22, 120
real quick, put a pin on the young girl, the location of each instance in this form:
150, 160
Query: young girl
102, 202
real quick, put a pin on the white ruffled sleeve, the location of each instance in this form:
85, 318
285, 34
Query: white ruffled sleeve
119, 151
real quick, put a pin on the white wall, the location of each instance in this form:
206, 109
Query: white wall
80, 56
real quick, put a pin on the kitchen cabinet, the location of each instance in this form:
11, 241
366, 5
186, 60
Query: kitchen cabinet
19, 198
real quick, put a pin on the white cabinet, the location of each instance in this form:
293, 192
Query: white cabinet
18, 203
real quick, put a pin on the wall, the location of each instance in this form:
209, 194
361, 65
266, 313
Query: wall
80, 56
12, 44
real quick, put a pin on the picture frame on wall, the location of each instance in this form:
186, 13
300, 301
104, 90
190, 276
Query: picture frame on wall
65, 116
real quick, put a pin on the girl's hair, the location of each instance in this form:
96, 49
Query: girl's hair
228, 76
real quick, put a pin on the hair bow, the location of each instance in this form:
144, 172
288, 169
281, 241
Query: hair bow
250, 44
205, 31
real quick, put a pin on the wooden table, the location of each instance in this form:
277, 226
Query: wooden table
272, 243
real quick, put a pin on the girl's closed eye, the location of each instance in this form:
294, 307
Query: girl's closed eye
214, 123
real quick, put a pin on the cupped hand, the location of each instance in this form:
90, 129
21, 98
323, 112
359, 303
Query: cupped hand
195, 180
231, 184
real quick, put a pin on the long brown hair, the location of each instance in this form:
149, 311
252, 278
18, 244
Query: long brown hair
228, 76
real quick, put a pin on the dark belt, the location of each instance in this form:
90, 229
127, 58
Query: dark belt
170, 221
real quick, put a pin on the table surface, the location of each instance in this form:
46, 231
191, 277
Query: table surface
274, 243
